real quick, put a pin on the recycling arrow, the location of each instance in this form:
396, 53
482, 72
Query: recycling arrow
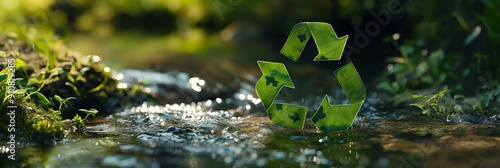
337, 117
275, 76
330, 47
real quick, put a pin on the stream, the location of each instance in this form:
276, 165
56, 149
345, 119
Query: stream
198, 123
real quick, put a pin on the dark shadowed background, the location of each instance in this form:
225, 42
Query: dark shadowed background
431, 43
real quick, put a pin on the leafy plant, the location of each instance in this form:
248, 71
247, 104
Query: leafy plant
62, 101
488, 98
435, 102
275, 76
6, 78
89, 112
46, 48
414, 70
41, 119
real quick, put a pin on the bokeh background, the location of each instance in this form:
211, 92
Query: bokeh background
429, 43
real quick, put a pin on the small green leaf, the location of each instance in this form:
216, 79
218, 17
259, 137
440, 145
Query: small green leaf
418, 105
19, 63
4, 71
43, 99
433, 104
70, 78
58, 98
75, 89
21, 91
56, 71
32, 81
91, 112
416, 96
41, 46
458, 97
100, 86
472, 35
442, 93
83, 70
432, 98
427, 111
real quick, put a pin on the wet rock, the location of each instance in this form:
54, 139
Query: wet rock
470, 119
180, 87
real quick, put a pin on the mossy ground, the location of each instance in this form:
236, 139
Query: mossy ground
39, 116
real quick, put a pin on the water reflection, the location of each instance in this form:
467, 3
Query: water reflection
196, 84
233, 131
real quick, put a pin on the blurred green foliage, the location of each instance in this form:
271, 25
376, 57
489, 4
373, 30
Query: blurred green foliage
438, 44
454, 49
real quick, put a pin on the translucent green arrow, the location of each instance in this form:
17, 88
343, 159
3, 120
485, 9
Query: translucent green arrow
330, 46
337, 117
288, 115
274, 78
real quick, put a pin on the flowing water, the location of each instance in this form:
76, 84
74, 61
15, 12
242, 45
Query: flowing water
212, 126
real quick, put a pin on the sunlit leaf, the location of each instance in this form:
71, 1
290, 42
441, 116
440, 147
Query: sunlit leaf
472, 35
417, 105
416, 96
21, 91
4, 71
19, 63
427, 111
32, 81
42, 46
443, 92
75, 89
458, 96
43, 99
91, 112
58, 98
100, 86
83, 70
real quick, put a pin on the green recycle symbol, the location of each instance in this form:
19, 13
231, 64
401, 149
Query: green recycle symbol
275, 76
